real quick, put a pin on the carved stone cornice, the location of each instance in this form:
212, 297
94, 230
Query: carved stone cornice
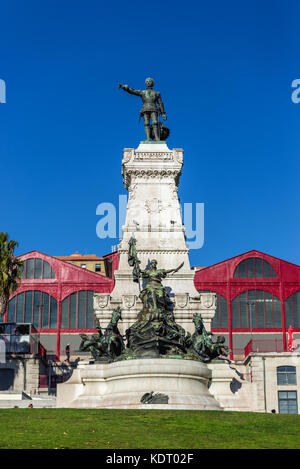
151, 163
159, 174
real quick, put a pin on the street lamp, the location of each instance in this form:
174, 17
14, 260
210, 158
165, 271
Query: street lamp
252, 303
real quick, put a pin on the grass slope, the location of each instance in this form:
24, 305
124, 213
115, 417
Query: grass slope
152, 429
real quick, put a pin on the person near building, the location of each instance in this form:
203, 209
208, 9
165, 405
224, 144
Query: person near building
68, 352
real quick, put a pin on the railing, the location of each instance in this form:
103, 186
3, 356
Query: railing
248, 348
238, 354
42, 352
264, 345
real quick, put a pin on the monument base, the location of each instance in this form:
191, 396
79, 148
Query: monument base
123, 384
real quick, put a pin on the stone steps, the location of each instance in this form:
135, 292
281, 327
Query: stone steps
10, 400
43, 403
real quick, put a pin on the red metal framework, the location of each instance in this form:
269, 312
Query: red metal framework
222, 278
66, 279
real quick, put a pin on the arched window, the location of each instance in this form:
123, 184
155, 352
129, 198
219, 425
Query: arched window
220, 320
256, 309
35, 307
77, 311
286, 375
254, 267
37, 268
292, 310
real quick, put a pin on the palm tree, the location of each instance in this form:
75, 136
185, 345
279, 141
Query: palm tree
10, 270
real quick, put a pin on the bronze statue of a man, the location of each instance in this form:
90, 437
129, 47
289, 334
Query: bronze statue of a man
152, 107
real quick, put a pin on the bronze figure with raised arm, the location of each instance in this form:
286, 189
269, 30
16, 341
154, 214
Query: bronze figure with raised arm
152, 107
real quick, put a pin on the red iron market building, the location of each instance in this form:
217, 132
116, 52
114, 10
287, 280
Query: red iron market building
258, 298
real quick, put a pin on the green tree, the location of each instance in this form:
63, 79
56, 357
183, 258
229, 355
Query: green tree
10, 270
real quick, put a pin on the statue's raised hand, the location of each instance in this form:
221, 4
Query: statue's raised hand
164, 117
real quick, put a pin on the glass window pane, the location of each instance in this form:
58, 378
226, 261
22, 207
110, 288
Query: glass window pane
291, 369
273, 273
258, 268
38, 268
28, 306
90, 310
37, 302
20, 308
244, 310
236, 272
242, 269
252, 309
289, 312
277, 312
52, 273
296, 301
29, 268
260, 307
45, 310
283, 407
291, 378
81, 309
216, 319
223, 312
11, 310
292, 407
281, 378
22, 269
65, 313
267, 270
73, 311
250, 267
53, 313
46, 270
269, 309
235, 313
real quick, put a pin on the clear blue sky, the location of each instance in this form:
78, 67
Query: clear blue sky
224, 69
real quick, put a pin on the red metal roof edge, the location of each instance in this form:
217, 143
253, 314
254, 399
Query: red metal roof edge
248, 252
71, 266
79, 258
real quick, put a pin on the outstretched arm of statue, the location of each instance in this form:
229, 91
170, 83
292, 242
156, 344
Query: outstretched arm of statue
130, 90
174, 270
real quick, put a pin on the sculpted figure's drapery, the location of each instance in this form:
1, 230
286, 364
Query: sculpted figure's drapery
156, 333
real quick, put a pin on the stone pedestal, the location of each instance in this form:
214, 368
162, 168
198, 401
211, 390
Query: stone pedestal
151, 175
229, 388
122, 384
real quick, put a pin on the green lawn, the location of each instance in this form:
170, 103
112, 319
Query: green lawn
152, 429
